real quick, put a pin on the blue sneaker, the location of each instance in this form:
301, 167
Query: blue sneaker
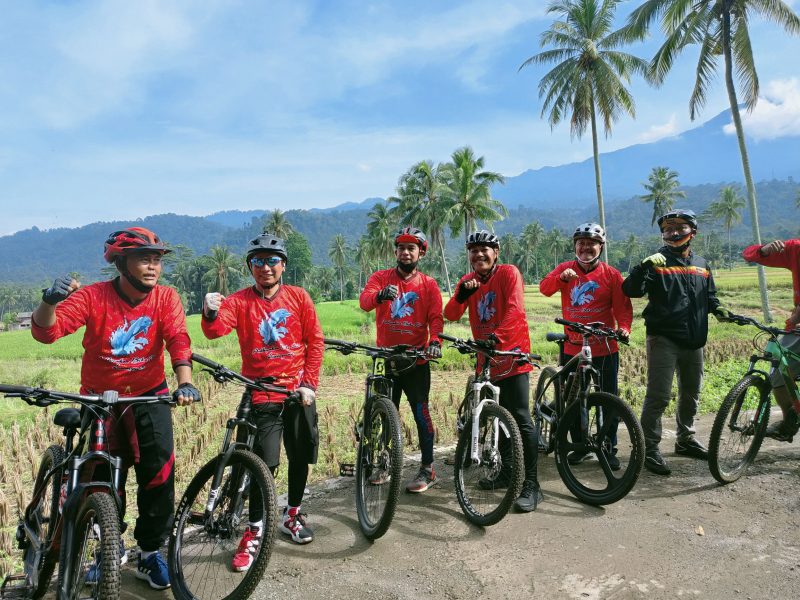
153, 570
93, 575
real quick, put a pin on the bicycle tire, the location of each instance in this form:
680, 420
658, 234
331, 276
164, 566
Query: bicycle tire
587, 482
378, 457
739, 428
42, 518
200, 551
544, 407
485, 491
94, 545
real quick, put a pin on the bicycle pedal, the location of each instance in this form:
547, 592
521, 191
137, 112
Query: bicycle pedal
15, 586
347, 469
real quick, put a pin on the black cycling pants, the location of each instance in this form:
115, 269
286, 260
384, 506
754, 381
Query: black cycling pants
416, 383
514, 397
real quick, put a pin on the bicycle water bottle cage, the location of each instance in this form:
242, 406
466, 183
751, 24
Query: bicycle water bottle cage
69, 418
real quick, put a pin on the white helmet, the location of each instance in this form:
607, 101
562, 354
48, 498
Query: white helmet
592, 231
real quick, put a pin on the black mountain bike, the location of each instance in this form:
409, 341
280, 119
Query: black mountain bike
212, 514
575, 419
489, 464
379, 459
74, 515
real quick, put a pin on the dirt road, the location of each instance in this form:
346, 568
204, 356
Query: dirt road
674, 537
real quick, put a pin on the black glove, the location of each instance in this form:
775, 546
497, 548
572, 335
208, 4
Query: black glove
58, 291
624, 336
490, 342
387, 293
187, 390
463, 293
723, 314
434, 350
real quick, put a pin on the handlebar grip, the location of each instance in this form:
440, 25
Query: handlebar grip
534, 357
15, 389
449, 338
561, 321
335, 342
205, 361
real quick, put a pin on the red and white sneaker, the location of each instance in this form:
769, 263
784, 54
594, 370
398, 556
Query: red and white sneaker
248, 547
293, 524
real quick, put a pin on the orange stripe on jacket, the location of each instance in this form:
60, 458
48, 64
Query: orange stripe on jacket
691, 270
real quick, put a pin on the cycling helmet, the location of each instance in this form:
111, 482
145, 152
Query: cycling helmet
266, 242
135, 239
412, 235
592, 231
685, 215
483, 238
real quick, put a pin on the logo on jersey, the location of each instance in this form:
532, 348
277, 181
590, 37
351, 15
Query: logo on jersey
582, 294
485, 309
271, 328
124, 340
402, 306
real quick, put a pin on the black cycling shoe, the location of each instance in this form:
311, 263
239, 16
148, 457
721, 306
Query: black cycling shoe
783, 431
530, 497
576, 457
655, 463
692, 448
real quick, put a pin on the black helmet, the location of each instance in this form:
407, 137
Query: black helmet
412, 235
592, 231
483, 238
266, 242
679, 213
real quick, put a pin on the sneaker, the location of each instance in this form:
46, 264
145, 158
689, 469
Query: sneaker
613, 461
379, 477
154, 571
783, 431
93, 574
293, 524
425, 479
248, 547
655, 463
691, 448
576, 457
530, 497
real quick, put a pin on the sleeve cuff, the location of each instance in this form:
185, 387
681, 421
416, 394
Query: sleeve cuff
308, 385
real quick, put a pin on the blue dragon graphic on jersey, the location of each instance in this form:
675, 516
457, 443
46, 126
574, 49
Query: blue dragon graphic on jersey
271, 328
402, 306
581, 294
485, 309
124, 341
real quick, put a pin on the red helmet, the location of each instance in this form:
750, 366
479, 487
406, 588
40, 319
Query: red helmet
412, 235
134, 239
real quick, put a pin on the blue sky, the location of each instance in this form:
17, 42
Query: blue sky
118, 110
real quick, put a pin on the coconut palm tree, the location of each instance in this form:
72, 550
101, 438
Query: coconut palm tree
631, 248
558, 243
590, 74
532, 235
222, 269
381, 229
662, 190
364, 260
726, 209
277, 224
337, 252
720, 28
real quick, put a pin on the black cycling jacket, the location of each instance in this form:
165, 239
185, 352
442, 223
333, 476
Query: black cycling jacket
680, 296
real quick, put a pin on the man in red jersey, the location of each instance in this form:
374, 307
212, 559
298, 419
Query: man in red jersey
128, 322
787, 255
279, 336
494, 295
591, 291
408, 310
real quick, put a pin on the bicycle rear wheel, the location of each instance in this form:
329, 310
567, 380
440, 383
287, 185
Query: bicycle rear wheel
379, 468
739, 428
612, 441
202, 546
487, 487
544, 409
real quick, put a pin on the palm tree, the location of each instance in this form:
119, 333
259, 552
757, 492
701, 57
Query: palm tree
467, 190
662, 187
630, 248
381, 229
532, 234
277, 224
558, 243
337, 252
720, 28
364, 259
726, 209
589, 76
222, 268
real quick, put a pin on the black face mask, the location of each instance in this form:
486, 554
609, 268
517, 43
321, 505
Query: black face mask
122, 267
676, 237
407, 268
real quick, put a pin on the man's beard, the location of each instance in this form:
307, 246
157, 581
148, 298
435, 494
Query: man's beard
407, 267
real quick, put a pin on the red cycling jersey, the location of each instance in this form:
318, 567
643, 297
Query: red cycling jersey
278, 337
788, 259
498, 306
123, 344
414, 317
593, 296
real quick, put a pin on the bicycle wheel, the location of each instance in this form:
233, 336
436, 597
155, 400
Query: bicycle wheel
544, 409
739, 428
42, 518
611, 444
379, 468
93, 558
201, 547
487, 487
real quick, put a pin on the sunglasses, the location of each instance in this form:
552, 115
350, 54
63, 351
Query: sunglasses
270, 261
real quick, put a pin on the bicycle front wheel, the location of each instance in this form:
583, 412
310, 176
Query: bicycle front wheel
739, 428
379, 468
209, 525
488, 484
92, 561
544, 409
42, 517
599, 449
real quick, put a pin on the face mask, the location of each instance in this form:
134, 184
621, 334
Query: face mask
678, 242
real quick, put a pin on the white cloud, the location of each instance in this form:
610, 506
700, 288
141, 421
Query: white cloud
777, 113
657, 132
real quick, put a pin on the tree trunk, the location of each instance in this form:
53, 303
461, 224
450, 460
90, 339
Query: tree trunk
730, 256
598, 181
444, 267
748, 178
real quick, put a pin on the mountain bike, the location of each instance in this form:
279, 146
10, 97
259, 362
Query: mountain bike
573, 416
489, 465
73, 517
379, 458
742, 419
212, 514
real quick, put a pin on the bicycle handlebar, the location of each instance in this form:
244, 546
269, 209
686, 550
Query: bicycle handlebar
400, 350
743, 320
474, 346
222, 374
593, 329
35, 396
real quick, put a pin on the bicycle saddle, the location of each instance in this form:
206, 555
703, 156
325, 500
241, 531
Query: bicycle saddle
68, 417
557, 337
